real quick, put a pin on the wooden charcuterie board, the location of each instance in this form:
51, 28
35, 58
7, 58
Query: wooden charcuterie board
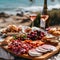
43, 57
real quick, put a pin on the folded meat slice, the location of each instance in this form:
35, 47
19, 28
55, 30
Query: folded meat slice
33, 52
49, 47
41, 50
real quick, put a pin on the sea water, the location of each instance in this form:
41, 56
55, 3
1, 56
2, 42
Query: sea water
14, 6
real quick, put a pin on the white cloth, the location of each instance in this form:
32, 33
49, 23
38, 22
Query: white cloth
42, 23
5, 55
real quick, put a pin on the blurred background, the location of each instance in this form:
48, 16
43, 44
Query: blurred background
17, 12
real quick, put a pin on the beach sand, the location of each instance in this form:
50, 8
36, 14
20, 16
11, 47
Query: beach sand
16, 20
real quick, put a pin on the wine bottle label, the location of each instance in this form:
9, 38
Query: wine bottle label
42, 23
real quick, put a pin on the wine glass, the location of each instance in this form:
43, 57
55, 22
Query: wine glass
32, 18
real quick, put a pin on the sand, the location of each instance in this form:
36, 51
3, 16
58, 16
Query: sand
16, 20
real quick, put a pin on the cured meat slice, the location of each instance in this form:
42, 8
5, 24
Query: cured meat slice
41, 50
49, 47
33, 52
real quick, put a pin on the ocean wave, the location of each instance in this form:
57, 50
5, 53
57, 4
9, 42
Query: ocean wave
38, 8
57, 6
29, 8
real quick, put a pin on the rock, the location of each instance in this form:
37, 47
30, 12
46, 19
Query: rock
19, 14
2, 14
25, 20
